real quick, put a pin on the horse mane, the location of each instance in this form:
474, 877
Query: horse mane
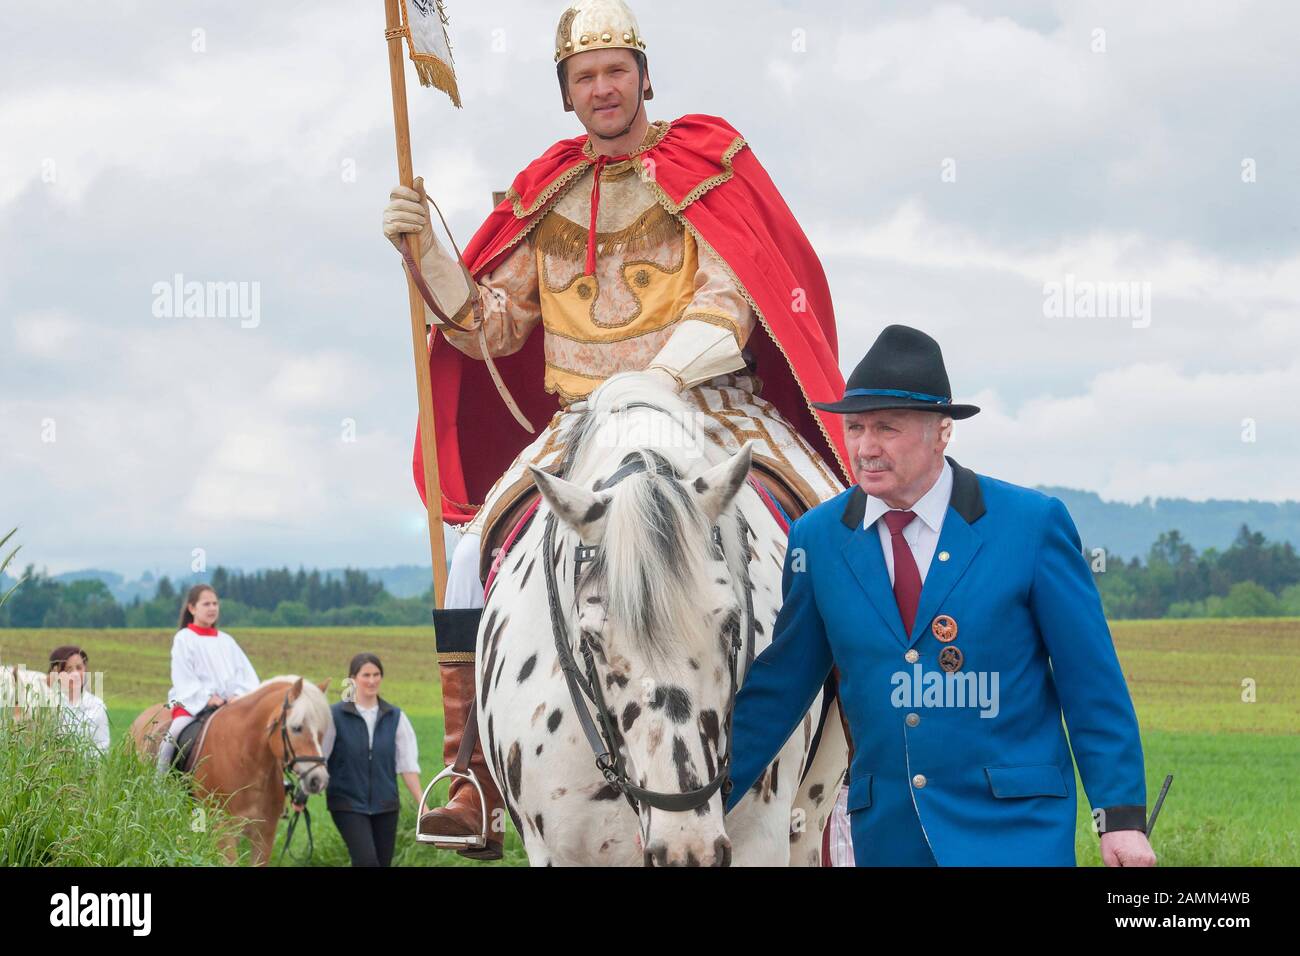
656, 549
653, 558
310, 708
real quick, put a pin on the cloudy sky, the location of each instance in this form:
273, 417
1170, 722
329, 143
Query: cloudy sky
953, 163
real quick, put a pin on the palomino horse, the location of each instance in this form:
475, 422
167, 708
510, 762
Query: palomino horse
246, 750
605, 702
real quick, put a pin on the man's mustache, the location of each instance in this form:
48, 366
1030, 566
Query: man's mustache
874, 464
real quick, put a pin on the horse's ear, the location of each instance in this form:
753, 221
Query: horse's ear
716, 488
296, 690
580, 509
324, 685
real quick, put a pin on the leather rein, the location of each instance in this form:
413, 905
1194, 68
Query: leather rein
602, 732
293, 786
476, 308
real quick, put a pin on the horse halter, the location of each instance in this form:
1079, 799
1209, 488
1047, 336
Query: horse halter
291, 759
602, 733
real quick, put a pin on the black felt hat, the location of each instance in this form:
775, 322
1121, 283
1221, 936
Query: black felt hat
903, 369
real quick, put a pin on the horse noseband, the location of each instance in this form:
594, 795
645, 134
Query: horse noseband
291, 759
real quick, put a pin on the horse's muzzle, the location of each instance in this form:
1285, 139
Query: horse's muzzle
658, 854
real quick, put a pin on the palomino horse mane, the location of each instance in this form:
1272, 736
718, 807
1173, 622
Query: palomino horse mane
311, 708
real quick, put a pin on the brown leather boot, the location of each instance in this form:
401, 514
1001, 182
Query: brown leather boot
463, 814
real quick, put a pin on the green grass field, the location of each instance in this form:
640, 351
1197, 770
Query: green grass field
1236, 763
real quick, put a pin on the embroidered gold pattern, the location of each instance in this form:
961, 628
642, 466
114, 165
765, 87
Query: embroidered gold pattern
547, 194
657, 131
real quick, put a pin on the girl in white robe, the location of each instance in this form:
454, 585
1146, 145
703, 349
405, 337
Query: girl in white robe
80, 711
208, 667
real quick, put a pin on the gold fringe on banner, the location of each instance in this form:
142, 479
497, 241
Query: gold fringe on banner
432, 70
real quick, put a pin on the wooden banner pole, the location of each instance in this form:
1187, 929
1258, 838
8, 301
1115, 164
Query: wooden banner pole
419, 340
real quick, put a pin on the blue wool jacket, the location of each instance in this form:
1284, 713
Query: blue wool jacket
972, 767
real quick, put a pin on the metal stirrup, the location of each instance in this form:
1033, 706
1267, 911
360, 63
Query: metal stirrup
459, 770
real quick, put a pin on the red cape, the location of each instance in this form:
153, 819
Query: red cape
743, 218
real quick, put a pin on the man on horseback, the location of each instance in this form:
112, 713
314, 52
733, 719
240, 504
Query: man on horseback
660, 247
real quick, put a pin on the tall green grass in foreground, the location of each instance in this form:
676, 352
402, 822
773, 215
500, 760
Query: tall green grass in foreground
62, 803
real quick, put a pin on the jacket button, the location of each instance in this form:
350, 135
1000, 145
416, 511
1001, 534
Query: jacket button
913, 719
919, 781
912, 656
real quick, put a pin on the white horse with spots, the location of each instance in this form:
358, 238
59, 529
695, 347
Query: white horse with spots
22, 691
654, 620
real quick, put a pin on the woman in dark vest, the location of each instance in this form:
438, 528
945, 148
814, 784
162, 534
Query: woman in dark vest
373, 742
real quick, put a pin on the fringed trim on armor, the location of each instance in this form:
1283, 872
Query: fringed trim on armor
564, 239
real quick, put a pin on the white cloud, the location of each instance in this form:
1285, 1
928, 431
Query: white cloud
44, 335
1142, 430
229, 165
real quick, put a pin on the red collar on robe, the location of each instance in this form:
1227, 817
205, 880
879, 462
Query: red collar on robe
205, 631
717, 185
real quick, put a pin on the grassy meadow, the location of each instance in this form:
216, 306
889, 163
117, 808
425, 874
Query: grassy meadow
1235, 761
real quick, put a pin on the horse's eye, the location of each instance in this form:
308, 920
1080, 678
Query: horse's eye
297, 729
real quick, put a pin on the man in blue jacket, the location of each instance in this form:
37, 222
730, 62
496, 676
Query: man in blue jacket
964, 623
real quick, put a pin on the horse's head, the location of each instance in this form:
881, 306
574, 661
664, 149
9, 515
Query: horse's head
297, 728
658, 607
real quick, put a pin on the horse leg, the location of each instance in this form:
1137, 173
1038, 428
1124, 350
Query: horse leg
228, 844
777, 823
261, 835
821, 785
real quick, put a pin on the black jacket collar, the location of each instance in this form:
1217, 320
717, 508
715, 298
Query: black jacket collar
967, 499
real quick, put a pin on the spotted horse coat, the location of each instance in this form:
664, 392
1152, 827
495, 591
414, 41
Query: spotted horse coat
658, 607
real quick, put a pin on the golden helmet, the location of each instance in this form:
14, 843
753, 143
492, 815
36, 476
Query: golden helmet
597, 25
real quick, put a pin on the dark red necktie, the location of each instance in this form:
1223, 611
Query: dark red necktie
907, 579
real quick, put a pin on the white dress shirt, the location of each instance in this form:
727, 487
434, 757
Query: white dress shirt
922, 532
88, 716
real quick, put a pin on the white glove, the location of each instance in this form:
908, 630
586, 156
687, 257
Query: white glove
407, 213
665, 378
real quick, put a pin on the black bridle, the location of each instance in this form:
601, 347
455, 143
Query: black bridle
602, 732
292, 786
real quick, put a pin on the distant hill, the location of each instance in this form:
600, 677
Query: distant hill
1127, 531
403, 581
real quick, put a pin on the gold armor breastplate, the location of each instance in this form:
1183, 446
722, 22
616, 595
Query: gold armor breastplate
619, 318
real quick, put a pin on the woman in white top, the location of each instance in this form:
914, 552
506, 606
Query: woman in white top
370, 745
82, 711
208, 668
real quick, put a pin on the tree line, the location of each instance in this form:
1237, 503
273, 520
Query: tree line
1251, 578
269, 598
